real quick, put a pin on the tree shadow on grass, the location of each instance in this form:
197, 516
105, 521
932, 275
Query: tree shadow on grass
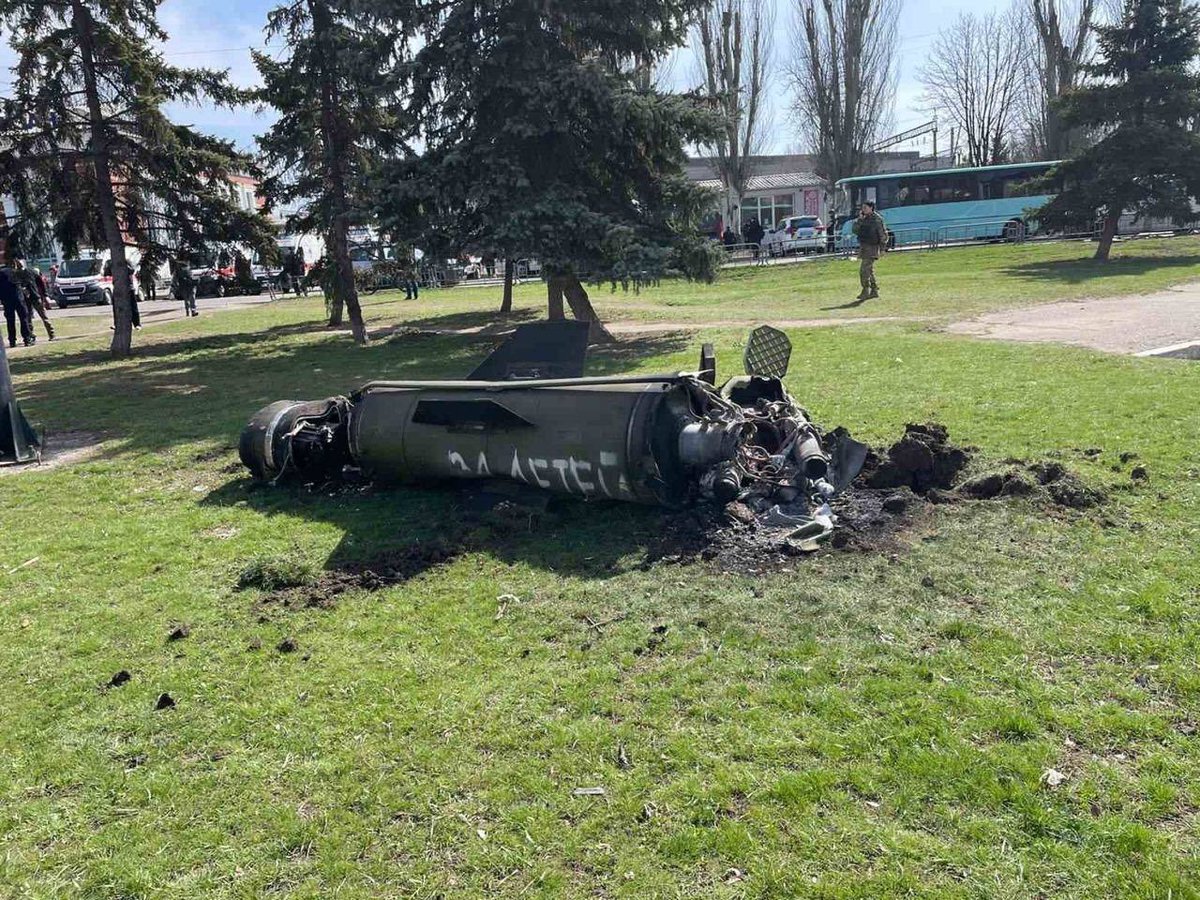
475, 318
1083, 271
206, 388
397, 533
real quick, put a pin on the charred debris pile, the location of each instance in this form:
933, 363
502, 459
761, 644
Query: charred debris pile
741, 465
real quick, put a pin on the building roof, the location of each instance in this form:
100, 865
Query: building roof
773, 182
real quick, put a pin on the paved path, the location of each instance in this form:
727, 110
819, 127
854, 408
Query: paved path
1132, 324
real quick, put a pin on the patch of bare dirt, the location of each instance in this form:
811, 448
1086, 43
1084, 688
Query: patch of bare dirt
395, 567
62, 448
895, 492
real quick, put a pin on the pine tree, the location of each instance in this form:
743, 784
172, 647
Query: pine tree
336, 94
540, 140
1145, 104
87, 147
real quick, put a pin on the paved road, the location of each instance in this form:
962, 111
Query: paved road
1134, 324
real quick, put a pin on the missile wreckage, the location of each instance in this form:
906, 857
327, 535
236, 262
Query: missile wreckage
528, 415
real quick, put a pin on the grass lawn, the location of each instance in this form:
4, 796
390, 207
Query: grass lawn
946, 284
859, 725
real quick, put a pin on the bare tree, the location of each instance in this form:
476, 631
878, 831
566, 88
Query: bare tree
843, 74
734, 51
1061, 33
975, 77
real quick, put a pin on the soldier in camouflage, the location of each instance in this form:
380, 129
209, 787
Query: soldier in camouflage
872, 235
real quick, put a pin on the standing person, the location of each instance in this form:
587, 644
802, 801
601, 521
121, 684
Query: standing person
34, 290
13, 301
146, 275
52, 282
754, 234
183, 286
871, 231
134, 313
299, 271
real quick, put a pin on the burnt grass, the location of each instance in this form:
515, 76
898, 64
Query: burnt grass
895, 492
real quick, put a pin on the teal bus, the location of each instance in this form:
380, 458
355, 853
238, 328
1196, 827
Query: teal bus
947, 205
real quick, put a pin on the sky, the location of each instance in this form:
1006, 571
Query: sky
220, 33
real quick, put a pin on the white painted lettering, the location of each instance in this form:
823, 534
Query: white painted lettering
561, 465
534, 465
582, 465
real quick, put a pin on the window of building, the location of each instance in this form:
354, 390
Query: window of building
769, 211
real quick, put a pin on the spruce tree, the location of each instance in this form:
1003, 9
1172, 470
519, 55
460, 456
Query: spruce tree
540, 139
1144, 102
336, 93
88, 148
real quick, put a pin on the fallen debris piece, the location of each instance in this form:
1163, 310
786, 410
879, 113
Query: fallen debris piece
119, 679
179, 633
502, 604
623, 761
588, 792
164, 701
1052, 778
26, 564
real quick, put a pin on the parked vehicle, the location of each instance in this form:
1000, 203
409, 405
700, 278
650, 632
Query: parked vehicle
795, 234
88, 278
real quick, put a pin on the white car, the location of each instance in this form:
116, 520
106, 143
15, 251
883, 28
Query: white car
88, 278
795, 234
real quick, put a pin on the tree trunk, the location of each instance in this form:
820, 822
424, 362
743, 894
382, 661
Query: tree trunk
554, 299
106, 199
1107, 233
333, 139
506, 302
342, 282
568, 286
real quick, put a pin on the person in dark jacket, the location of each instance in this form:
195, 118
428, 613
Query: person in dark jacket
34, 286
754, 234
15, 308
147, 269
871, 231
183, 286
134, 313
298, 270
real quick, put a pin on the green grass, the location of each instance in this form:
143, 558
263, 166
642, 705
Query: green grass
949, 283
860, 725
919, 285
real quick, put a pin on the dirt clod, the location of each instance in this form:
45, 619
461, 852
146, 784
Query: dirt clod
1074, 494
897, 503
1017, 485
922, 459
179, 633
164, 701
287, 645
1048, 471
122, 677
983, 487
1139, 473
